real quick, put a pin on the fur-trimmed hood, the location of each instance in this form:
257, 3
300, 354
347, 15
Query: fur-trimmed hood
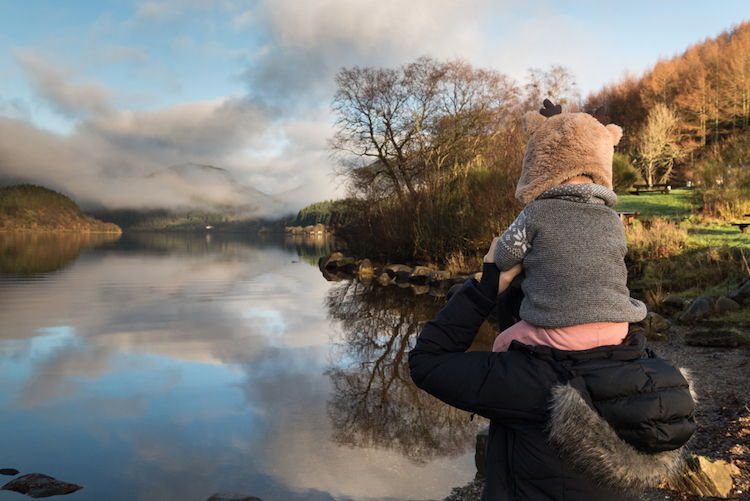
594, 447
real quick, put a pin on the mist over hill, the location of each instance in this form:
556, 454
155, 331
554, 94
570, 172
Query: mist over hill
191, 187
179, 189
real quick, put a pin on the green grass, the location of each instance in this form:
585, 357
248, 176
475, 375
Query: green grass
675, 205
720, 235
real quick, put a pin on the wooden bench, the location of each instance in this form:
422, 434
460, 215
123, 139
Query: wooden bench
638, 188
743, 226
628, 217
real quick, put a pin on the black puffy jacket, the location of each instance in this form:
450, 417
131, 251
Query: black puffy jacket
599, 424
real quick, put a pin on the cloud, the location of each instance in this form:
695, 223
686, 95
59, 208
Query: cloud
69, 99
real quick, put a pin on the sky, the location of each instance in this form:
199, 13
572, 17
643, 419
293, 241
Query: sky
95, 94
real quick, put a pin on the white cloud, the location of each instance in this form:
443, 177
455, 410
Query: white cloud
70, 99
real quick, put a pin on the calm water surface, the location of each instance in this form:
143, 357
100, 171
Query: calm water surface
171, 367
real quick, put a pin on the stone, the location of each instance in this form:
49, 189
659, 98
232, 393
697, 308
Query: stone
385, 279
703, 477
724, 304
329, 260
656, 324
8, 471
714, 338
697, 309
741, 294
232, 496
36, 485
439, 276
481, 447
419, 275
344, 262
398, 272
675, 302
418, 289
365, 267
334, 276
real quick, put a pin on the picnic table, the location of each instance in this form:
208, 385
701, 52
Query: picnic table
743, 226
628, 217
638, 188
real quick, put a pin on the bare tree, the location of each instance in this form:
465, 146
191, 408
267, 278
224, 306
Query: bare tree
395, 128
658, 144
558, 85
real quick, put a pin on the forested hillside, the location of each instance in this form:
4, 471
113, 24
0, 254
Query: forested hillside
30, 207
431, 151
693, 107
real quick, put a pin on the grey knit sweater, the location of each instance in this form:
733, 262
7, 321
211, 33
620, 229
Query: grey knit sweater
572, 246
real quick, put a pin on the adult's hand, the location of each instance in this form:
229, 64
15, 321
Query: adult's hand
494, 281
490, 256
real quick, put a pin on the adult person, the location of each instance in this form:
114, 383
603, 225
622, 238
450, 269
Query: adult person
590, 425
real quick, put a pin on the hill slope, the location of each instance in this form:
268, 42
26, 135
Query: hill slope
28, 207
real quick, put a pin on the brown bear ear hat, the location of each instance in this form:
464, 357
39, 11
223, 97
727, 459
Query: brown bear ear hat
565, 145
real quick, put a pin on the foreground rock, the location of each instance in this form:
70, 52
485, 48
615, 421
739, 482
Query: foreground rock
36, 485
704, 477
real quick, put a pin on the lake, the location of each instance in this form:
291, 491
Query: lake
173, 366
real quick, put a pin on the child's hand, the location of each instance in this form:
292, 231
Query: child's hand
506, 277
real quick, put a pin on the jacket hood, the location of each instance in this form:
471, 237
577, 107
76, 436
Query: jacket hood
620, 414
593, 447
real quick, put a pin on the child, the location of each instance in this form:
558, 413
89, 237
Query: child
569, 240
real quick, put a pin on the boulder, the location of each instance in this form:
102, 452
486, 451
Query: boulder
365, 267
675, 302
343, 262
335, 275
698, 309
385, 279
704, 477
714, 338
439, 276
419, 275
724, 304
36, 485
398, 272
741, 294
656, 326
232, 496
418, 289
329, 260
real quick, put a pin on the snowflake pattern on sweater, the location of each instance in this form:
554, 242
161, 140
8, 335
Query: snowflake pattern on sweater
514, 244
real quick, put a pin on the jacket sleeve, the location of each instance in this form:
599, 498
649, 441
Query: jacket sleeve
509, 386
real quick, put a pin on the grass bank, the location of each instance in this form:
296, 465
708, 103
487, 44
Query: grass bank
673, 249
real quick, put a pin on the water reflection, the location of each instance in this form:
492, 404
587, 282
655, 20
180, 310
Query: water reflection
374, 402
172, 366
25, 253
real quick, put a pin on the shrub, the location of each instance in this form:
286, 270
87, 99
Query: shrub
661, 238
624, 175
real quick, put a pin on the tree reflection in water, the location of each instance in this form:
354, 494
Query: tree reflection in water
375, 404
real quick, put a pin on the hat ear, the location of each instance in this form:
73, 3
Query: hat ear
616, 132
531, 121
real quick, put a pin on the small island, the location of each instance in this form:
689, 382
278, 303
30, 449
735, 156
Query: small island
27, 207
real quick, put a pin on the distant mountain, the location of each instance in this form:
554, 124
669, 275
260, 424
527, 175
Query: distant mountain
212, 189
